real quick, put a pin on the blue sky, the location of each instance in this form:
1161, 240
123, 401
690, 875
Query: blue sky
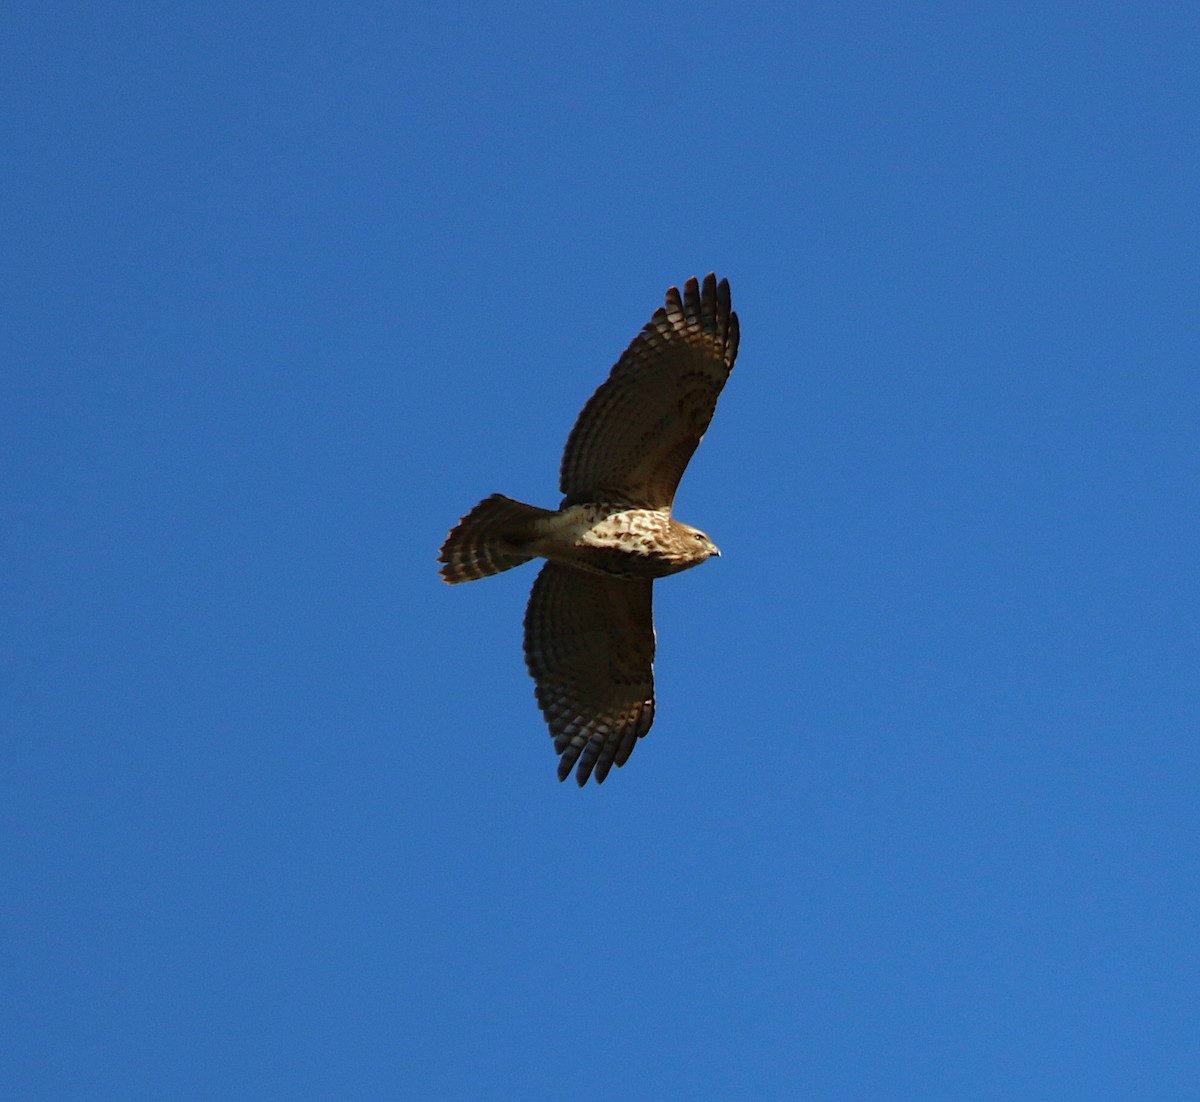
289, 288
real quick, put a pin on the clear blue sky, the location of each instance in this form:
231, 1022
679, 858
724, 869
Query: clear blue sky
288, 288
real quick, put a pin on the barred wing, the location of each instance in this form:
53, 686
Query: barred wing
637, 433
589, 645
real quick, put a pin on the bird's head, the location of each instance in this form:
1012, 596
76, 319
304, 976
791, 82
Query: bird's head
694, 546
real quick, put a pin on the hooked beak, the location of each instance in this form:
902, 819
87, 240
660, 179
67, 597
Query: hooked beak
716, 551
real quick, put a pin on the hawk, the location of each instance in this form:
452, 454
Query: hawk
589, 629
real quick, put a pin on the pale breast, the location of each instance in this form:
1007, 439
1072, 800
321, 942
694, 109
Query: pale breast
613, 540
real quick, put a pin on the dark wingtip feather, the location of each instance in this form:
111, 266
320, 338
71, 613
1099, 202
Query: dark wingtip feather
723, 297
709, 307
587, 763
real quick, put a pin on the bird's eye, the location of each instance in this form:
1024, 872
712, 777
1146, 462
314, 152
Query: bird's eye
701, 536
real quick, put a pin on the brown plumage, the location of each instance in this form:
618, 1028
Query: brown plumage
589, 629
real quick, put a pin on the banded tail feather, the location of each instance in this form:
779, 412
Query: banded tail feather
489, 539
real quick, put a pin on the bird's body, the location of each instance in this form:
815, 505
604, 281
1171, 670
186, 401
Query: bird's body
589, 631
627, 543
601, 537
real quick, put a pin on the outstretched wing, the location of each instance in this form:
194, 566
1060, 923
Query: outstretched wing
637, 432
589, 645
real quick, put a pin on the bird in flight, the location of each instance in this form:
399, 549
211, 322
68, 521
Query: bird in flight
589, 627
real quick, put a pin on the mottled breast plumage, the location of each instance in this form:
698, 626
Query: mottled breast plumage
618, 541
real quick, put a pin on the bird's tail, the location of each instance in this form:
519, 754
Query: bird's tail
489, 539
